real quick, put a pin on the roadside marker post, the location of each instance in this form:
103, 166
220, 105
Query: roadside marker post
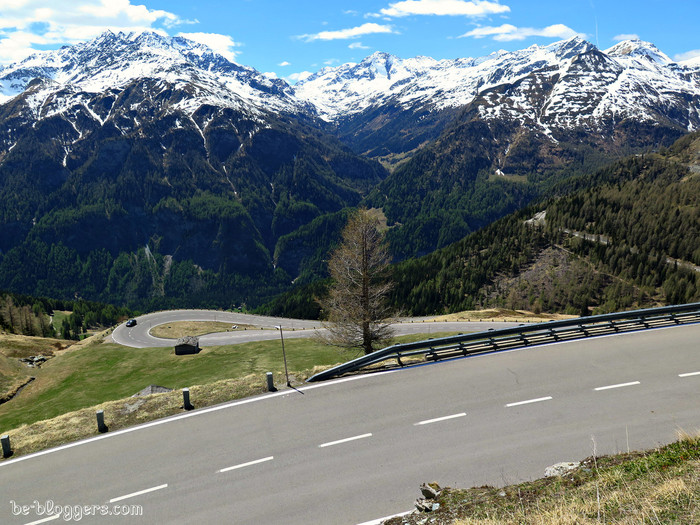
101, 427
6, 448
186, 399
271, 383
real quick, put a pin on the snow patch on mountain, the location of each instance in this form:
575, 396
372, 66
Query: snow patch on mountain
112, 61
566, 84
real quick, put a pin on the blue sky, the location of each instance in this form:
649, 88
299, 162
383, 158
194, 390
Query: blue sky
290, 38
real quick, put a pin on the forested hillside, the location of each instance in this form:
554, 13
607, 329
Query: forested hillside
631, 238
165, 214
27, 315
477, 172
149, 171
625, 236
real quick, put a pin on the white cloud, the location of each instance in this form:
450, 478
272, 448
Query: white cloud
271, 74
284, 64
625, 36
136, 14
475, 8
357, 45
508, 32
296, 77
688, 55
222, 44
27, 24
19, 46
353, 32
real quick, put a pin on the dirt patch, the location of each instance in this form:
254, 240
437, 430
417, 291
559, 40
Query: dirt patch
18, 346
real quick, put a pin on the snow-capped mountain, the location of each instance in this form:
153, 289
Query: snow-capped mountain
112, 61
563, 85
134, 140
140, 140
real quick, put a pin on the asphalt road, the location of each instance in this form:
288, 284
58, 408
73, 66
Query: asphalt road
264, 328
357, 449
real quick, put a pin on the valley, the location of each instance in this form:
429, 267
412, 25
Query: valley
150, 172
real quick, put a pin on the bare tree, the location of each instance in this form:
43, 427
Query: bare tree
356, 307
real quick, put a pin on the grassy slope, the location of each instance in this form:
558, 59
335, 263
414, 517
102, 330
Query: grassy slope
656, 486
195, 328
94, 372
100, 372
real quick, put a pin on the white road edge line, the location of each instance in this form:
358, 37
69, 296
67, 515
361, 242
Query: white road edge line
621, 385
194, 413
381, 520
438, 419
331, 443
139, 493
689, 374
250, 463
245, 401
44, 520
528, 401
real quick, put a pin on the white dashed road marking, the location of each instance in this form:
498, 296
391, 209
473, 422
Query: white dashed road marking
528, 401
250, 463
139, 493
330, 444
621, 385
438, 419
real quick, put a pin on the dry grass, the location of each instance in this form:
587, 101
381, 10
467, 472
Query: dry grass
378, 213
12, 345
14, 374
194, 328
658, 486
501, 314
131, 411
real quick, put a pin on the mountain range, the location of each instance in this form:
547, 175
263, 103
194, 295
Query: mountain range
150, 171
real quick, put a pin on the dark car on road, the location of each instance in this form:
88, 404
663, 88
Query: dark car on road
131, 322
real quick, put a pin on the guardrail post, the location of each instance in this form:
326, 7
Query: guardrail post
6, 448
101, 427
271, 383
186, 399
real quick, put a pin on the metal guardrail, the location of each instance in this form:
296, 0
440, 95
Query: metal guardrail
525, 335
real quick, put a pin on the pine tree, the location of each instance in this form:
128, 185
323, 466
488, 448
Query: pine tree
356, 308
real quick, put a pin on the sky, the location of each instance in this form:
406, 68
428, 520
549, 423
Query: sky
291, 39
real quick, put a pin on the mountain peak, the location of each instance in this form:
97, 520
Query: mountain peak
639, 49
572, 47
379, 63
113, 60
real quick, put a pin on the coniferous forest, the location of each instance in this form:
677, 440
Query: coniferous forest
626, 236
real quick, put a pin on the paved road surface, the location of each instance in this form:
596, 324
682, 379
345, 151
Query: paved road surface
354, 450
139, 335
